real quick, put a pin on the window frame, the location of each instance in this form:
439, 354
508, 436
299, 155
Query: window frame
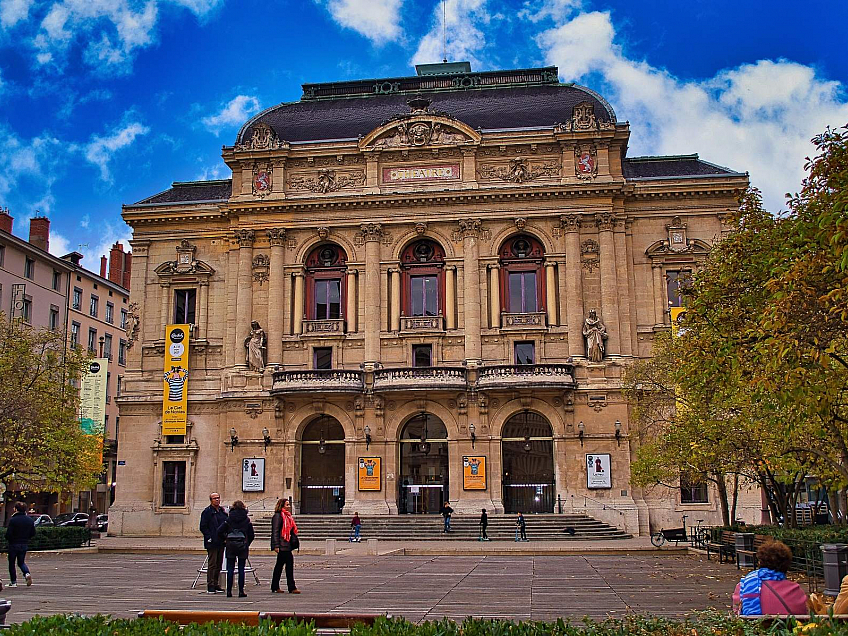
319, 269
92, 338
422, 347
107, 345
57, 280
190, 296
29, 268
693, 488
75, 333
413, 266
178, 483
521, 343
54, 317
515, 261
93, 305
316, 351
26, 310
109, 314
76, 299
122, 352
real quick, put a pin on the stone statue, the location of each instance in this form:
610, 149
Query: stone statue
255, 345
595, 333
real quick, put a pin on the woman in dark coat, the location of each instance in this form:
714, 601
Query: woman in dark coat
237, 535
282, 527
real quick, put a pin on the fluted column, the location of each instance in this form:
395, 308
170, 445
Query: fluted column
395, 300
351, 301
609, 288
471, 231
573, 284
450, 297
550, 292
244, 307
274, 325
659, 294
372, 233
297, 319
494, 296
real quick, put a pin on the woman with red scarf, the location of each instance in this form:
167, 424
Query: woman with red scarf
282, 528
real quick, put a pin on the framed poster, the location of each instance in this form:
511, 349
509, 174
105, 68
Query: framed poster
253, 474
474, 472
598, 474
370, 473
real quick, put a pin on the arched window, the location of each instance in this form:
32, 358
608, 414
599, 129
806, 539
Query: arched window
325, 289
423, 264
522, 282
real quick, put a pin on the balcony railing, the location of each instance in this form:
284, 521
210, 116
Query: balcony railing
333, 326
420, 379
532, 320
320, 380
526, 376
422, 323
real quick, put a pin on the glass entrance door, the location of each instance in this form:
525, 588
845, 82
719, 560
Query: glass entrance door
424, 466
322, 462
528, 464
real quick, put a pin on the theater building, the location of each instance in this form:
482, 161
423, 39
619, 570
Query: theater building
412, 290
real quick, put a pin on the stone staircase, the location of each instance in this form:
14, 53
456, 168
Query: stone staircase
541, 527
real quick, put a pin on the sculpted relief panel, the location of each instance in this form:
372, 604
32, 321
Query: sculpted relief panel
325, 181
520, 170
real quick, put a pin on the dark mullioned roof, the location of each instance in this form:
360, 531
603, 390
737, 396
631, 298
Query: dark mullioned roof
673, 166
192, 191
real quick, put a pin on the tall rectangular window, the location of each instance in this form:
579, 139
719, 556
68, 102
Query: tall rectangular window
119, 385
2, 255
57, 280
54, 317
522, 292
75, 332
107, 346
123, 319
328, 299
323, 357
26, 311
110, 313
676, 285
122, 351
184, 302
29, 268
693, 492
108, 395
173, 483
77, 302
422, 355
92, 340
425, 295
92, 307
525, 353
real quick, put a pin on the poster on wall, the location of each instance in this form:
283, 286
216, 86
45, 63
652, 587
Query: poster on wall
174, 398
93, 397
370, 477
253, 474
598, 474
474, 472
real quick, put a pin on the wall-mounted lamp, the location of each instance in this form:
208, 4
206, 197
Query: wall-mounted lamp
473, 430
322, 445
618, 432
581, 429
527, 446
266, 436
367, 431
233, 439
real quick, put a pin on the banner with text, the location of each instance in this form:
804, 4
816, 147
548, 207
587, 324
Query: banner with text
474, 473
370, 473
175, 396
93, 397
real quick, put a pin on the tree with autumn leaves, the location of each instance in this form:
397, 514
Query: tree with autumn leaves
42, 446
756, 387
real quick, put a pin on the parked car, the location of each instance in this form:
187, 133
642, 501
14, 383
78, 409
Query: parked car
102, 523
40, 520
71, 519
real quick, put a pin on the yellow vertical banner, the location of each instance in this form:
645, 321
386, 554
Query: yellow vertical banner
678, 321
175, 391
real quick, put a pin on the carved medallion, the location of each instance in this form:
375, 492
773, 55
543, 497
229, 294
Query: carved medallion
262, 175
586, 162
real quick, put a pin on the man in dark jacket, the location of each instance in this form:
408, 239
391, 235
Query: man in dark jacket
210, 520
237, 534
20, 530
447, 511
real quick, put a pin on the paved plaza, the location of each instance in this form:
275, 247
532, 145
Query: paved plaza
416, 587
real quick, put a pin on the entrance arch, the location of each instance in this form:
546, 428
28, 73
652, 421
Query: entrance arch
322, 466
527, 447
423, 484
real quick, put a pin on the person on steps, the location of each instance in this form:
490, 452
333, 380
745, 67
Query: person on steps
356, 526
484, 523
237, 534
447, 511
520, 528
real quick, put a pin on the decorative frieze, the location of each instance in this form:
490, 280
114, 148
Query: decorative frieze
326, 162
131, 326
586, 162
519, 170
323, 380
531, 320
419, 379
263, 175
526, 375
333, 326
583, 119
422, 323
326, 180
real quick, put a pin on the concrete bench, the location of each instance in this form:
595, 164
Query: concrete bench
188, 617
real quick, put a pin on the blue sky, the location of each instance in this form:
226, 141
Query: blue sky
104, 102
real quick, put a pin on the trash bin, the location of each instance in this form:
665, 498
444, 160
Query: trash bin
835, 565
745, 541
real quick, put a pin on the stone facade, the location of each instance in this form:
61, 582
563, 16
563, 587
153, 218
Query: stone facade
424, 286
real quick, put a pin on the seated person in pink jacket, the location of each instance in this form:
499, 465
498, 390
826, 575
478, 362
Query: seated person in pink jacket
767, 590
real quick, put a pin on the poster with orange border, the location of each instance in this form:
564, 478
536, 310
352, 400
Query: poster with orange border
175, 391
474, 472
370, 473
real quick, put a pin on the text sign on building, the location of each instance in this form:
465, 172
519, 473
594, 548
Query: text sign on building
18, 295
253, 474
474, 472
417, 174
93, 397
598, 474
370, 473
175, 396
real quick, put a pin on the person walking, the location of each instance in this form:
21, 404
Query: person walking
210, 520
237, 534
520, 528
283, 528
20, 530
356, 526
484, 523
447, 511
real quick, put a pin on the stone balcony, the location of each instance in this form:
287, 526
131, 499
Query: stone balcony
419, 324
331, 327
420, 379
532, 320
318, 380
528, 376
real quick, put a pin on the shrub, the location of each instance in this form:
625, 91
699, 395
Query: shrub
53, 538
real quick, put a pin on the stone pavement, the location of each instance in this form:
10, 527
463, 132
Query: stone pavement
416, 587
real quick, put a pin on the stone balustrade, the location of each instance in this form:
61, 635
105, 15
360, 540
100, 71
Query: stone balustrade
420, 379
531, 320
319, 380
526, 376
421, 323
333, 326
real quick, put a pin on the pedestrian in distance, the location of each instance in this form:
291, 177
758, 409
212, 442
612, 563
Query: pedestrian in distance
520, 528
20, 530
237, 535
484, 523
212, 517
283, 541
447, 511
356, 527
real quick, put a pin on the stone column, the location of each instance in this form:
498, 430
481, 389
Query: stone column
395, 300
372, 233
244, 304
232, 290
450, 297
622, 281
297, 319
164, 305
494, 296
659, 295
609, 291
351, 301
274, 324
573, 284
550, 292
471, 231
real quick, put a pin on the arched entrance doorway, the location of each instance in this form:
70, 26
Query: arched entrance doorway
527, 447
423, 479
322, 467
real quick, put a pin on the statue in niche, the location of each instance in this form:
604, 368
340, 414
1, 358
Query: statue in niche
256, 345
595, 333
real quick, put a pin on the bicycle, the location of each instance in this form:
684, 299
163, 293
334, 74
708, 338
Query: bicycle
677, 535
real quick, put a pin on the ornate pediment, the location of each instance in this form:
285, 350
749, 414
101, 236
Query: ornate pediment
693, 247
583, 119
185, 264
421, 128
263, 138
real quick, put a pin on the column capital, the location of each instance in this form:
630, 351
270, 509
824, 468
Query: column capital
491, 266
468, 229
550, 263
299, 274
570, 222
277, 236
245, 238
371, 232
605, 221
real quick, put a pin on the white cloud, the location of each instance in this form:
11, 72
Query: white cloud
211, 173
200, 8
377, 20
556, 10
59, 244
465, 39
26, 164
14, 11
100, 150
234, 113
757, 117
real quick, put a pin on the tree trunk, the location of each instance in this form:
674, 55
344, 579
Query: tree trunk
735, 497
721, 486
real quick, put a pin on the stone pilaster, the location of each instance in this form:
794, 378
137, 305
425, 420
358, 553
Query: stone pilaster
244, 304
573, 284
450, 297
274, 324
494, 296
550, 292
609, 285
372, 233
471, 231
